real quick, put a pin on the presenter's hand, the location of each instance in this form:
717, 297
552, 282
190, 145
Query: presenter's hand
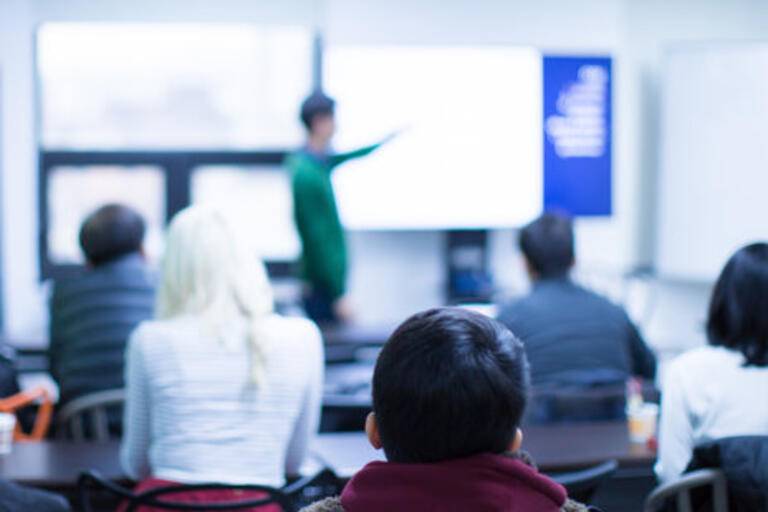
394, 134
343, 309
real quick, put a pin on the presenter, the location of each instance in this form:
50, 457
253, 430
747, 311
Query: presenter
324, 252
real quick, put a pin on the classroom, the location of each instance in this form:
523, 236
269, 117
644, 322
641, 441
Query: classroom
337, 255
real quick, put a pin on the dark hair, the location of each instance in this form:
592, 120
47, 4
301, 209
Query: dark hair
449, 383
547, 244
317, 104
738, 309
110, 232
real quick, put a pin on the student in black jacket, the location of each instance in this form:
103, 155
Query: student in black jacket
573, 337
93, 313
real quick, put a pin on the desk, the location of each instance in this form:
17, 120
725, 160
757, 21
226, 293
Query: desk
557, 448
350, 342
57, 464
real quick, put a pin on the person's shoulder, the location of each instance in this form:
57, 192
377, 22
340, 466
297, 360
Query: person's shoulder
705, 357
512, 309
603, 305
152, 336
298, 332
80, 279
299, 161
326, 505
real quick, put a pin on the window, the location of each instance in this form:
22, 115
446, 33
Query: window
259, 201
75, 192
155, 115
172, 86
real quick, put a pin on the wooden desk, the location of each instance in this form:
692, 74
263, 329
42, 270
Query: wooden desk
559, 448
555, 448
57, 464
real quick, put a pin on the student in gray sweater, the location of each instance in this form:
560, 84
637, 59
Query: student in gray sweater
93, 313
573, 336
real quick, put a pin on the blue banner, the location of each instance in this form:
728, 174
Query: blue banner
577, 135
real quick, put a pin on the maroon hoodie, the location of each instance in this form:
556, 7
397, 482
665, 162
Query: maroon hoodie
481, 483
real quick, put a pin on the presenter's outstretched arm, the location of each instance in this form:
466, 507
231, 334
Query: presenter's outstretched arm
340, 158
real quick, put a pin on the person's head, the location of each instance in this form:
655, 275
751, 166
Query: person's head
317, 115
547, 244
449, 383
738, 309
209, 272
112, 231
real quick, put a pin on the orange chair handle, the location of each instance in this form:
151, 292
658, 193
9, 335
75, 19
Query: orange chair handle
44, 413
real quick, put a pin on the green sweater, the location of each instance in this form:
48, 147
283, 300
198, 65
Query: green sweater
324, 252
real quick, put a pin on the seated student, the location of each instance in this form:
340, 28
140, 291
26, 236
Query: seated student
717, 391
17, 498
449, 391
572, 336
219, 387
93, 313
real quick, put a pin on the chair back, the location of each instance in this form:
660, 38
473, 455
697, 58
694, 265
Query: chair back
743, 461
582, 485
86, 417
307, 490
679, 491
154, 499
287, 499
40, 396
575, 404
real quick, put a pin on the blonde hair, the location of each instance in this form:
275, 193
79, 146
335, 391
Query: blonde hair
209, 272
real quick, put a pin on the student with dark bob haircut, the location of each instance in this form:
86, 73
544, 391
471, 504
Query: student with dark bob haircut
449, 390
738, 311
713, 392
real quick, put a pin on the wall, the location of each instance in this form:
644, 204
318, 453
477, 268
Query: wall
633, 32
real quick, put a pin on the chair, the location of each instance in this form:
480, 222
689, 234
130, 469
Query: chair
289, 498
598, 400
681, 489
86, 417
582, 485
13, 403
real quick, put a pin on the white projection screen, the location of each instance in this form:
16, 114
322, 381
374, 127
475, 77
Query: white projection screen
713, 157
469, 149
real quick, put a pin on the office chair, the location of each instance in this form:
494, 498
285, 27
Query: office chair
680, 491
86, 417
290, 498
582, 485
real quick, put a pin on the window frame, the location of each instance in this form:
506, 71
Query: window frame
177, 168
176, 165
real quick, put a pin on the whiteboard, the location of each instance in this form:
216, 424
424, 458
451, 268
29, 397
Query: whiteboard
470, 151
713, 187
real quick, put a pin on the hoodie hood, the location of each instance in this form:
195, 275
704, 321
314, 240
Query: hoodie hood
481, 483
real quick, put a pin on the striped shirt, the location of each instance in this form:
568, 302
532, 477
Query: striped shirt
192, 417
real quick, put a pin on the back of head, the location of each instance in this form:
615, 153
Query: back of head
738, 309
112, 231
547, 244
449, 383
210, 273
316, 105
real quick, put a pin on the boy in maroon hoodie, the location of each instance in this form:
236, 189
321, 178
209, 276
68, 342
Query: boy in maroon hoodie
449, 390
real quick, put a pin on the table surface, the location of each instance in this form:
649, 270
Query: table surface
556, 448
